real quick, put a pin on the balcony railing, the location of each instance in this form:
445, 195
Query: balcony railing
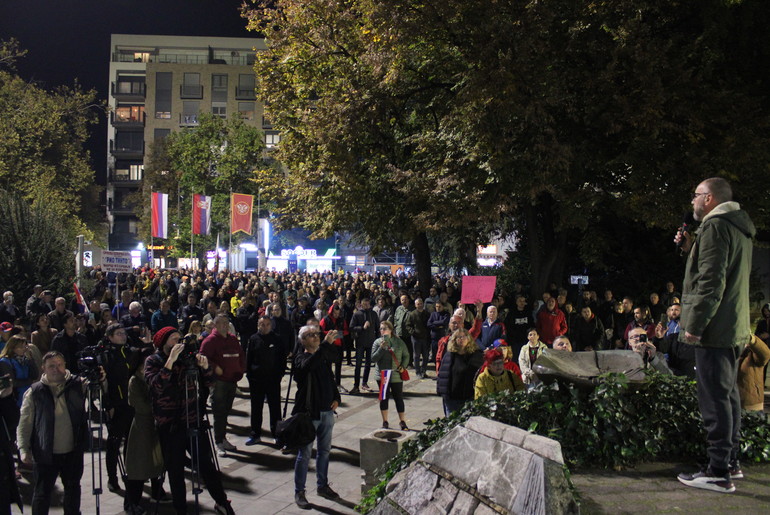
188, 120
245, 58
244, 93
128, 122
127, 152
123, 176
129, 90
191, 91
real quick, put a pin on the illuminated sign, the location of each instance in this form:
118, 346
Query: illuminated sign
299, 252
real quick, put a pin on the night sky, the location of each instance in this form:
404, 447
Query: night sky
69, 39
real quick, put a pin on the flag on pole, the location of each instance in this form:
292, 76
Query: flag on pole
216, 258
79, 299
384, 383
241, 206
201, 217
159, 215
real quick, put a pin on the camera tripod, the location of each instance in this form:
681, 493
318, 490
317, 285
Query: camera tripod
95, 442
199, 428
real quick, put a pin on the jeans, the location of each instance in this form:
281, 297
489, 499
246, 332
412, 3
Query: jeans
222, 397
70, 467
258, 391
363, 353
421, 350
719, 402
451, 405
323, 430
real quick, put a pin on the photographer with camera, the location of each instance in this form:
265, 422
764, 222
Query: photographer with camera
639, 343
172, 374
53, 431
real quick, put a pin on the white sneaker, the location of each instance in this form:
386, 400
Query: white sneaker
228, 446
221, 451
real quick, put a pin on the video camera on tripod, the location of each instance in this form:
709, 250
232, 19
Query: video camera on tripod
89, 361
189, 356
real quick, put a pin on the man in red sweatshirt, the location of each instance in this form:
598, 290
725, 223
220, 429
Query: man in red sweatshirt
228, 360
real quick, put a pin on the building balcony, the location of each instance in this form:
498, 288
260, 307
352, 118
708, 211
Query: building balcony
126, 91
188, 120
128, 122
133, 152
123, 240
245, 94
191, 91
124, 179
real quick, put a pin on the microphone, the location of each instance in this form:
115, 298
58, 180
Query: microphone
687, 221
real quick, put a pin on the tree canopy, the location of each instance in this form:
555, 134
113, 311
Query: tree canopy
404, 117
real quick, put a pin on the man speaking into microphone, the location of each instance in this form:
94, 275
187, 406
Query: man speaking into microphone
715, 319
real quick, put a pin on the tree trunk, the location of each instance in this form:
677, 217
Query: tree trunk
546, 246
422, 262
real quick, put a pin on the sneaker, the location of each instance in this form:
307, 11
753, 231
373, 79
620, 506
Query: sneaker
708, 480
224, 509
254, 439
301, 500
735, 470
287, 450
221, 451
228, 446
327, 493
161, 497
341, 389
365, 388
354, 391
135, 509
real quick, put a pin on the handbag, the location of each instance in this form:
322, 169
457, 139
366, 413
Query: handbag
297, 430
404, 372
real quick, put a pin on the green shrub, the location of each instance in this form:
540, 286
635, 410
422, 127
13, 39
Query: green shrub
617, 425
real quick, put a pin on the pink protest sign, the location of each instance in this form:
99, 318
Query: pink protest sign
478, 287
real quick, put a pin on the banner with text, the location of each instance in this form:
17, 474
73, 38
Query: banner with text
478, 287
113, 261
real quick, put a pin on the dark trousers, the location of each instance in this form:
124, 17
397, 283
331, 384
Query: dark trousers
175, 444
719, 401
396, 391
134, 491
421, 350
259, 390
338, 363
363, 353
222, 397
117, 430
347, 342
70, 467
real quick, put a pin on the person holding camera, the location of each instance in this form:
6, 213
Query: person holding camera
53, 432
174, 400
639, 343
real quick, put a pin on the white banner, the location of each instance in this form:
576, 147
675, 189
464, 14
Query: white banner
116, 261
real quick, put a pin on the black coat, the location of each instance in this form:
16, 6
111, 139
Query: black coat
266, 357
315, 369
457, 375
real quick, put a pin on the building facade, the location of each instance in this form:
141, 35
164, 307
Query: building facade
160, 84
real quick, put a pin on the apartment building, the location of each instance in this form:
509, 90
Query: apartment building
160, 84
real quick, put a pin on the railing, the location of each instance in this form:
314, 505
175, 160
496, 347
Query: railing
191, 91
203, 58
123, 176
121, 121
126, 151
129, 89
188, 120
245, 93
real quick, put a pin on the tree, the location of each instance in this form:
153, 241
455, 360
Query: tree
42, 137
214, 158
36, 247
563, 115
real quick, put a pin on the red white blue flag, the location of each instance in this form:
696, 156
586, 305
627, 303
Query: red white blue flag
159, 215
79, 299
384, 383
201, 217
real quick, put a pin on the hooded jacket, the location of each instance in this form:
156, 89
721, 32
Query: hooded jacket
715, 294
329, 323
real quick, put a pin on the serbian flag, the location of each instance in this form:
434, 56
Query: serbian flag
241, 206
79, 299
384, 383
201, 214
159, 215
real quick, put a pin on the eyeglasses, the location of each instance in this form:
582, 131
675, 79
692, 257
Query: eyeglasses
310, 335
696, 194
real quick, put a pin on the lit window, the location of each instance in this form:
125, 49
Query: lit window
272, 138
246, 110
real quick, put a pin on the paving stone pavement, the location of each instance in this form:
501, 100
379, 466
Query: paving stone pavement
259, 479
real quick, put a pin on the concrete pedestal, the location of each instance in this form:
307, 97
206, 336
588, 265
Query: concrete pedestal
377, 448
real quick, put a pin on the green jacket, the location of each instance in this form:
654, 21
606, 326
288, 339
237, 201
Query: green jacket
383, 359
715, 295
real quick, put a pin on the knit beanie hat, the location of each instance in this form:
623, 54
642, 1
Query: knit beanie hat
161, 337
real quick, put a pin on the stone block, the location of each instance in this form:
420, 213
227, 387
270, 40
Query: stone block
415, 491
545, 447
377, 448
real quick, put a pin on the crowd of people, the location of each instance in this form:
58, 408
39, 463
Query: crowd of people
172, 347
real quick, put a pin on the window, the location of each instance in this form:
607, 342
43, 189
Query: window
246, 86
133, 227
163, 95
141, 57
159, 134
135, 172
129, 114
219, 87
272, 138
190, 110
191, 88
246, 110
219, 109
129, 141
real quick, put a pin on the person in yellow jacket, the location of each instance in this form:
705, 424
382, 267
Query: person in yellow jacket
494, 378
